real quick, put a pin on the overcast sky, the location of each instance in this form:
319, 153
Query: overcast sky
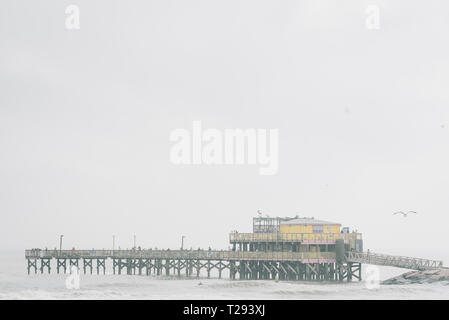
86, 116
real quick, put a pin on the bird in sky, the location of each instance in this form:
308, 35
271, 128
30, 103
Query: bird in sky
404, 214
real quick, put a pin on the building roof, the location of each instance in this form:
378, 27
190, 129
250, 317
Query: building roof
308, 221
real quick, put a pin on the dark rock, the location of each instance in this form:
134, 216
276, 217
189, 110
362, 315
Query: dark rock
426, 276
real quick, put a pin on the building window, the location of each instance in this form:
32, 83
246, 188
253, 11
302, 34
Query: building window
317, 229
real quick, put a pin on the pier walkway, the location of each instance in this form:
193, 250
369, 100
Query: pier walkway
282, 265
183, 254
393, 261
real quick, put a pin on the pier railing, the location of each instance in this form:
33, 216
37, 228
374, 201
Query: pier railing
393, 261
293, 237
182, 254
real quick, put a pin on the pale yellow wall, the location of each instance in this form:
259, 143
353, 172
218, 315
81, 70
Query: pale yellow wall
332, 229
287, 228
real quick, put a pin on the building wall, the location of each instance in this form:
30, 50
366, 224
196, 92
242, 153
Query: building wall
332, 229
298, 228
290, 228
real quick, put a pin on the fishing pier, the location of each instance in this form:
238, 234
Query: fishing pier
279, 248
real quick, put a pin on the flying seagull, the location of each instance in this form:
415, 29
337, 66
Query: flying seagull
404, 214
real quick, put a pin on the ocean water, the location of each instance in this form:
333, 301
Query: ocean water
15, 283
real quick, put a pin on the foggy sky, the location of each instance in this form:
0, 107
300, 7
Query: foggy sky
85, 119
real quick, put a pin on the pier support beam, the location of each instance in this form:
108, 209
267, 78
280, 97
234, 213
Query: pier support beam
32, 263
198, 268
87, 263
61, 263
208, 268
45, 262
167, 267
130, 266
74, 262
101, 263
115, 263
232, 270
140, 265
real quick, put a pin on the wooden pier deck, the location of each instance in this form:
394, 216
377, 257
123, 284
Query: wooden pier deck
239, 264
283, 265
184, 254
